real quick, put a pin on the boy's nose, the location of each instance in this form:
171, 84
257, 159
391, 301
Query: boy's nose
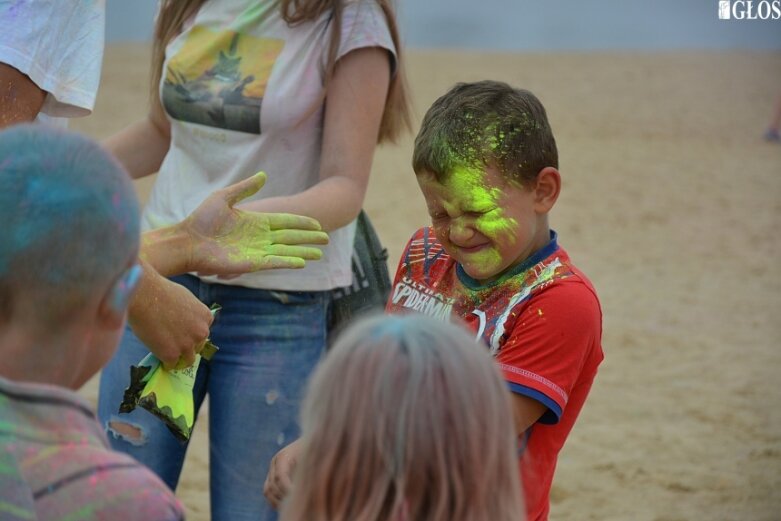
460, 233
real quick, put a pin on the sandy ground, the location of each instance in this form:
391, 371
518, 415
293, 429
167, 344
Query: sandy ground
672, 205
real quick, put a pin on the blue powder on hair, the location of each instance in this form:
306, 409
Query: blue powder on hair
68, 209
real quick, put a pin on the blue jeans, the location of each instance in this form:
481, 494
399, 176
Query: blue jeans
270, 341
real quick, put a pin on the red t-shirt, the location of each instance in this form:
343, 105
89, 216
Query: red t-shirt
543, 324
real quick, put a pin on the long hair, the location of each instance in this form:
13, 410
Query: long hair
395, 118
407, 419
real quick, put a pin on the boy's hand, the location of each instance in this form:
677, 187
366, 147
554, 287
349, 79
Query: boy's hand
169, 320
280, 473
227, 241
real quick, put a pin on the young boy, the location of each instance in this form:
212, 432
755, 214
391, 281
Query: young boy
68, 254
68, 267
486, 162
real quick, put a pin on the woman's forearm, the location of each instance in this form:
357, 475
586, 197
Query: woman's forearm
334, 202
167, 250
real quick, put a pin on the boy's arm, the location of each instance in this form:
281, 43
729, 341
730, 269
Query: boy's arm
526, 412
547, 350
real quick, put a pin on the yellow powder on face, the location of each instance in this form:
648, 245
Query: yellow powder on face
470, 186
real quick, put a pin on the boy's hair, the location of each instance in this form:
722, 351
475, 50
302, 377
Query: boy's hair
70, 221
407, 418
486, 123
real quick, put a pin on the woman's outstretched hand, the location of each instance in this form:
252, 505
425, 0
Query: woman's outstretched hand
219, 239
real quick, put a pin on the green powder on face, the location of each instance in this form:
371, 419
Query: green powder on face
487, 258
482, 200
477, 196
479, 160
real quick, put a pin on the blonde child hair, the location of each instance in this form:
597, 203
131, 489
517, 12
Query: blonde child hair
407, 419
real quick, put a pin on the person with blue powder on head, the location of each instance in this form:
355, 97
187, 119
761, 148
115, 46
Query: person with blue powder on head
68, 269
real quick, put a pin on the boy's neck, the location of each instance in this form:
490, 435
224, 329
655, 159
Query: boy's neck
42, 358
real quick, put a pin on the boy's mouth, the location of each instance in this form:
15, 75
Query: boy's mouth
472, 249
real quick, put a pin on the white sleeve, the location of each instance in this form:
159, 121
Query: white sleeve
364, 25
59, 45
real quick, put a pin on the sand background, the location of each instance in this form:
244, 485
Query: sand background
672, 205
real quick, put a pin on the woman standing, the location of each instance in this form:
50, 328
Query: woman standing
302, 90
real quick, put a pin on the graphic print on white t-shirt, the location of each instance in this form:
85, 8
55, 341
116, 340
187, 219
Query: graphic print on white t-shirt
218, 79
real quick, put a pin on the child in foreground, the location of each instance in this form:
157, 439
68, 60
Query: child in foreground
407, 419
69, 254
68, 267
487, 164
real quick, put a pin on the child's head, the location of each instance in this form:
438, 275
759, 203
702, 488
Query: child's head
406, 419
487, 162
70, 234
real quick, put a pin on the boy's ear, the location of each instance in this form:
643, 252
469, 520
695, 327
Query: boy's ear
115, 302
547, 189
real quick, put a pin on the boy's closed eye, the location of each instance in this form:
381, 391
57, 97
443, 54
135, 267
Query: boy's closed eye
478, 212
437, 214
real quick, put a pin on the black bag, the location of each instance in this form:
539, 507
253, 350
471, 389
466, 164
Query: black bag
371, 281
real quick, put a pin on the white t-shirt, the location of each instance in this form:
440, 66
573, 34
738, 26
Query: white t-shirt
239, 87
59, 45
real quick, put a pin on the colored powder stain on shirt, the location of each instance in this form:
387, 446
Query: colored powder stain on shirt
254, 12
6, 469
12, 11
15, 511
43, 454
84, 513
547, 274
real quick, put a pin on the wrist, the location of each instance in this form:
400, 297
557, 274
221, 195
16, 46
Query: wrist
167, 250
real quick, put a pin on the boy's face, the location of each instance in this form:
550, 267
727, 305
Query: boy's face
486, 223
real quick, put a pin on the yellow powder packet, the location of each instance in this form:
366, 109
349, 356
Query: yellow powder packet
168, 394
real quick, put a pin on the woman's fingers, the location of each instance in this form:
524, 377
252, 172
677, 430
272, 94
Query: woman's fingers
298, 237
282, 221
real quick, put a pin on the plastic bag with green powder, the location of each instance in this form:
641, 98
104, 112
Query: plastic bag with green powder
168, 394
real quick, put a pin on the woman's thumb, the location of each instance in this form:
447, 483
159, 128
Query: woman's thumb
243, 189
